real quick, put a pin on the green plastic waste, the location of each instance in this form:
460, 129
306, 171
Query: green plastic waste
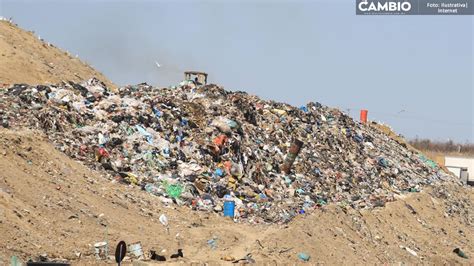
15, 261
303, 256
321, 202
427, 161
174, 191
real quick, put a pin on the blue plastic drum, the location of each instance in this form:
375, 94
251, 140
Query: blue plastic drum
229, 208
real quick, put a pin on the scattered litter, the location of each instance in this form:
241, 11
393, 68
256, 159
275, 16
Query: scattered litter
154, 256
303, 256
460, 253
177, 255
135, 250
212, 243
163, 220
411, 251
412, 210
191, 145
101, 250
247, 259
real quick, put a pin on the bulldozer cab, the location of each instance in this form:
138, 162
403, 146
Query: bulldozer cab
199, 78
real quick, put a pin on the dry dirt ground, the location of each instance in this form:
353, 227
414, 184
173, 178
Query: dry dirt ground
52, 204
26, 59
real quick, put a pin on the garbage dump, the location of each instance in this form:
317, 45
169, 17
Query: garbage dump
197, 145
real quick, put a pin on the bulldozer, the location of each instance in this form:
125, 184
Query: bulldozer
199, 78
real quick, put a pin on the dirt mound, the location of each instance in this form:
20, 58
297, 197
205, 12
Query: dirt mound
26, 59
54, 205
200, 146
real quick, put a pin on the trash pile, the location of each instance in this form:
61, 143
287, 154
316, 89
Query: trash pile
193, 145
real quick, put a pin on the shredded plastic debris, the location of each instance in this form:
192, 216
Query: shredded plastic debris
193, 145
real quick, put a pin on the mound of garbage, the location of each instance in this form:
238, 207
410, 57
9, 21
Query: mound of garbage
201, 145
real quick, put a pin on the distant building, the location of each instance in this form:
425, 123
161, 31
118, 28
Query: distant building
462, 167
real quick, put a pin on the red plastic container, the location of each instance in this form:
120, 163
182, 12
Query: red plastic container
363, 116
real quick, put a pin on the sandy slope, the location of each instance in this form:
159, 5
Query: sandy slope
52, 204
26, 59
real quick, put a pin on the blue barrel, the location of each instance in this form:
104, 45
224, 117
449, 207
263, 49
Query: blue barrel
229, 208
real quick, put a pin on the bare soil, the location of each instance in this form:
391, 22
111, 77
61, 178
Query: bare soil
52, 204
26, 59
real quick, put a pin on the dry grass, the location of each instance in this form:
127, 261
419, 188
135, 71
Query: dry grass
446, 148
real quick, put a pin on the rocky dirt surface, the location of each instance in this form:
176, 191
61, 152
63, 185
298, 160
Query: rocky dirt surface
51, 204
24, 58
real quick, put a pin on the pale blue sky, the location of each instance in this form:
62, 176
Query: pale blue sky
290, 51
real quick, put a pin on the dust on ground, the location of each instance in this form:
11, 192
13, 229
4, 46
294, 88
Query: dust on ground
52, 204
26, 59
